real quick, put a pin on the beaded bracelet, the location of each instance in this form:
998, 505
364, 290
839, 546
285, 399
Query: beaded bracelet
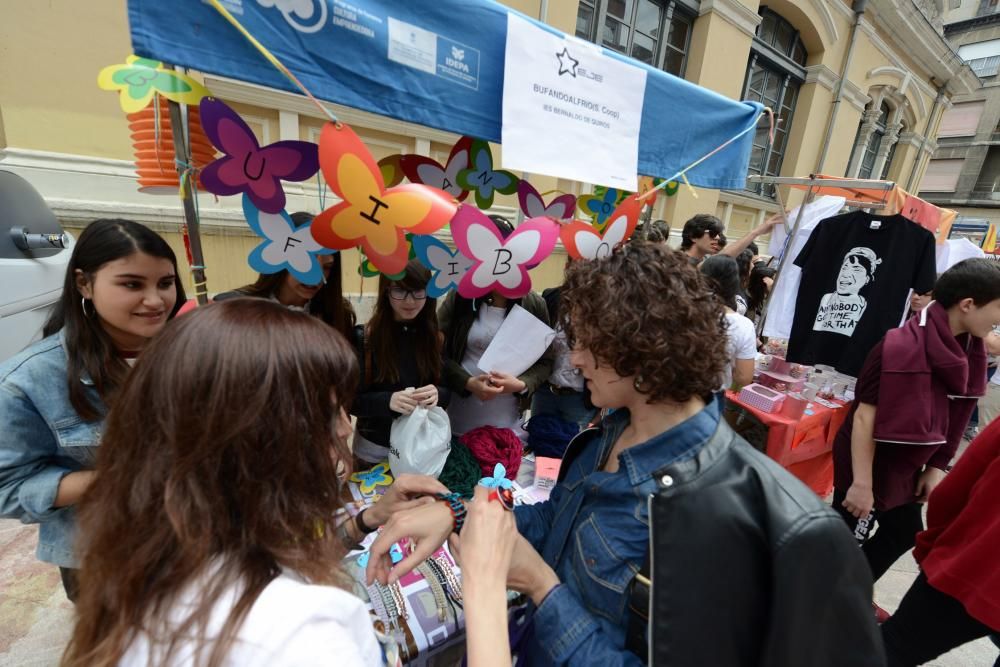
457, 507
397, 596
375, 597
454, 585
436, 587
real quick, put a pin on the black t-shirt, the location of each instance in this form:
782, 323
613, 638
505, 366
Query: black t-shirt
857, 270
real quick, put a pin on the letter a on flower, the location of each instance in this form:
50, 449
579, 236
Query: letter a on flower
370, 215
500, 264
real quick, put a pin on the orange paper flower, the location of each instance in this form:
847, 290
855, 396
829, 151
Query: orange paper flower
370, 215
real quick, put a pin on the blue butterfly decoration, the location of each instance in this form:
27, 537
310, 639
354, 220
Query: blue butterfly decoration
395, 553
498, 480
285, 246
447, 266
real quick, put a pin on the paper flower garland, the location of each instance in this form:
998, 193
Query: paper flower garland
560, 209
140, 78
285, 246
420, 169
500, 264
368, 481
447, 266
246, 167
582, 241
482, 179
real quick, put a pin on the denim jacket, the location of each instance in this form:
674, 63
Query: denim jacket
44, 439
594, 532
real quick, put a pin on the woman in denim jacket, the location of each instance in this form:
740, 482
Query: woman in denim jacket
650, 341
121, 288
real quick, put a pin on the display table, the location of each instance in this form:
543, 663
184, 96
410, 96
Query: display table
803, 446
431, 628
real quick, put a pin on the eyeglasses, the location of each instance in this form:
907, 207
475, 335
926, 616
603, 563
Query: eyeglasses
399, 294
712, 234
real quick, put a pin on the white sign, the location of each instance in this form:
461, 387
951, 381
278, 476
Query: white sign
569, 110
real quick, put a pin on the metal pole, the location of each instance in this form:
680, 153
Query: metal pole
187, 198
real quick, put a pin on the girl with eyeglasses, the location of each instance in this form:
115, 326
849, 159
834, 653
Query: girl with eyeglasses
400, 352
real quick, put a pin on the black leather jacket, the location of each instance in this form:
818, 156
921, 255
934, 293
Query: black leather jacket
750, 567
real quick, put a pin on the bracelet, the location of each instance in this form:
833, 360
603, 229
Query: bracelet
457, 507
345, 539
360, 524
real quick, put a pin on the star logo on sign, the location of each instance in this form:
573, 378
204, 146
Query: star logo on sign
567, 63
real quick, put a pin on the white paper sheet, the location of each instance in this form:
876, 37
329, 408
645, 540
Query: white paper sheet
519, 342
569, 110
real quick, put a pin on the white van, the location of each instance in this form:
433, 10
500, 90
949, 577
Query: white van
34, 254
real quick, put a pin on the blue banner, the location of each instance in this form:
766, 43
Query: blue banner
438, 63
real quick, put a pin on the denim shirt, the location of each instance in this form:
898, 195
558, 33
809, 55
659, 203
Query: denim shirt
593, 532
44, 439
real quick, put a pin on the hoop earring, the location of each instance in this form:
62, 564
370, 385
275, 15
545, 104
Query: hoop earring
83, 307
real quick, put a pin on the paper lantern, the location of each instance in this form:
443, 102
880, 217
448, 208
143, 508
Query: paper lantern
154, 151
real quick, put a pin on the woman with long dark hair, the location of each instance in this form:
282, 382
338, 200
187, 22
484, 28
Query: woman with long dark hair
216, 538
121, 288
723, 277
400, 352
325, 300
469, 325
759, 286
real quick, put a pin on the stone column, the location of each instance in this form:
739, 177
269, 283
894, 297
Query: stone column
888, 141
869, 120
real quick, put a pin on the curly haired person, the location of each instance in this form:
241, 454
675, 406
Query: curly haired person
741, 555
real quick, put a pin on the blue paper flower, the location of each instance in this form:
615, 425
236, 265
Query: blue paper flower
447, 266
285, 246
498, 480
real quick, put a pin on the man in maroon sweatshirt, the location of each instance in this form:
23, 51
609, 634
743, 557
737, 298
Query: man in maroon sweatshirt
913, 399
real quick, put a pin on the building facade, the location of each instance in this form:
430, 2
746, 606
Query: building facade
964, 173
857, 89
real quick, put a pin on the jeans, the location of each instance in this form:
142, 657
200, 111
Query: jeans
896, 534
568, 407
927, 624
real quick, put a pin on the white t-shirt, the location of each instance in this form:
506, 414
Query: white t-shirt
741, 343
292, 623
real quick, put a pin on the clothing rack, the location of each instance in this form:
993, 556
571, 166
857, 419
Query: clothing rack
812, 184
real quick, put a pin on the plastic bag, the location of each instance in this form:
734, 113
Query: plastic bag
419, 442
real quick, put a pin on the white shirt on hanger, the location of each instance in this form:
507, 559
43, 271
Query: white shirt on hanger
781, 307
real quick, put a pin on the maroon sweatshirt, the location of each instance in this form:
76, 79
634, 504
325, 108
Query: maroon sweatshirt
918, 377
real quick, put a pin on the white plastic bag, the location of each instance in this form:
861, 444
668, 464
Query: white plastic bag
419, 442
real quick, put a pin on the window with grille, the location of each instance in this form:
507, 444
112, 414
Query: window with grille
656, 33
774, 74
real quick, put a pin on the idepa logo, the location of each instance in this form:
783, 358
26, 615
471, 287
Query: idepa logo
570, 65
457, 60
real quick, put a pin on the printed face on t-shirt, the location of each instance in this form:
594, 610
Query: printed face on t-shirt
853, 275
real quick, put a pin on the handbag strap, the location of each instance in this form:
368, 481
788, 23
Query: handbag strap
639, 597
